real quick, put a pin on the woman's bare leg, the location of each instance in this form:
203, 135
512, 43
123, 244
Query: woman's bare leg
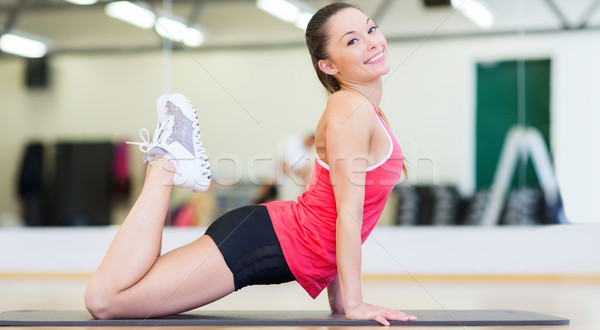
138, 241
133, 281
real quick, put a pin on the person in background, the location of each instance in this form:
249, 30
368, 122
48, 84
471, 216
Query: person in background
292, 168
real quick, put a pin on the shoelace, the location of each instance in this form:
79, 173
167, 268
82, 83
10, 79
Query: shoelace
147, 144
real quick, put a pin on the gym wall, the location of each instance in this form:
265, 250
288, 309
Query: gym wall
248, 100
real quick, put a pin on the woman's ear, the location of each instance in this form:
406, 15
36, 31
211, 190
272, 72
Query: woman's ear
327, 67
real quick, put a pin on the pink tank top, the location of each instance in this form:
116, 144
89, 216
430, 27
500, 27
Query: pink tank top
306, 227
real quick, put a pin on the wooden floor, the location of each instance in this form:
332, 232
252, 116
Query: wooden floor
578, 301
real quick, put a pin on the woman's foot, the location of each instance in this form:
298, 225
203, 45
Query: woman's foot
177, 138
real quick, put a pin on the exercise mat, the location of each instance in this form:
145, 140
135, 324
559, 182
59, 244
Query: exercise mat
280, 318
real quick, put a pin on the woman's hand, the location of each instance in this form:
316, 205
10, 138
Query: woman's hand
337, 308
336, 305
335, 297
364, 311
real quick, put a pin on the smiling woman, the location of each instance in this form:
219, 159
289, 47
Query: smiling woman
315, 240
430, 99
355, 44
338, 43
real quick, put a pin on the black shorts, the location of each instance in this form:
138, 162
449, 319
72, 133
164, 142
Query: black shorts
247, 240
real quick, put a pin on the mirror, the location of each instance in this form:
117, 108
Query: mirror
459, 85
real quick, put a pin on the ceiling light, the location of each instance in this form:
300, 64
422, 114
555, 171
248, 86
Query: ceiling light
172, 28
22, 46
475, 10
131, 13
281, 9
193, 37
292, 11
303, 19
82, 2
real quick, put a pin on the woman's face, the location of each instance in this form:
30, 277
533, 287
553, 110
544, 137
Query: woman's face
357, 50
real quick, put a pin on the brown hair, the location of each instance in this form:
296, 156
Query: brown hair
317, 35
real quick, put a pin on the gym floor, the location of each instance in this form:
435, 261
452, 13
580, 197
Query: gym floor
577, 300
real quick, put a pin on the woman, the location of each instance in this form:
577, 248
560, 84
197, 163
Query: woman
315, 240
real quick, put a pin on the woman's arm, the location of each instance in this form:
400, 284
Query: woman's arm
348, 134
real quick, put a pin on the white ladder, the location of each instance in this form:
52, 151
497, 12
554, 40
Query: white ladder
520, 142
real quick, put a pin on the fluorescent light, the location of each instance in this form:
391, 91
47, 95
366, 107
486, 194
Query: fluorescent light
292, 11
170, 28
174, 29
476, 11
303, 19
479, 14
131, 13
82, 2
22, 46
193, 37
281, 9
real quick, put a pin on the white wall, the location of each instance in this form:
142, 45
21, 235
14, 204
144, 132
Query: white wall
507, 250
248, 100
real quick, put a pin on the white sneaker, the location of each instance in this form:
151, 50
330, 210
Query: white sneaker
177, 138
164, 127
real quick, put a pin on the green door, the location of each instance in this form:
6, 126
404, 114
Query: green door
509, 93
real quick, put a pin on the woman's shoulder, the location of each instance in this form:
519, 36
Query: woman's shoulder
349, 106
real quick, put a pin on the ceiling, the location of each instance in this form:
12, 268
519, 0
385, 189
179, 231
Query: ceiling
239, 23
